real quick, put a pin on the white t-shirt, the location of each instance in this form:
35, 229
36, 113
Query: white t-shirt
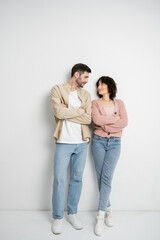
71, 131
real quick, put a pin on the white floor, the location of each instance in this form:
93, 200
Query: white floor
36, 225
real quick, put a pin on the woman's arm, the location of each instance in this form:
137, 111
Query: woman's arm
121, 123
100, 119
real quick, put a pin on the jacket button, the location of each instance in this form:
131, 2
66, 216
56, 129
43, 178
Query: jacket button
108, 133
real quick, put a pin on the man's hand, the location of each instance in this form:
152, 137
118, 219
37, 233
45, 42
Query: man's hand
85, 111
64, 105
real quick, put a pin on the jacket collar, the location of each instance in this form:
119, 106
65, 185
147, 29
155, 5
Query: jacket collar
67, 88
79, 90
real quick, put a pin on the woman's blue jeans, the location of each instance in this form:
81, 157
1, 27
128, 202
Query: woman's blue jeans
75, 154
106, 153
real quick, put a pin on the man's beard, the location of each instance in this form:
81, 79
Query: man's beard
80, 84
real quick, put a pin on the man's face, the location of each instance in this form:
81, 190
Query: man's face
82, 79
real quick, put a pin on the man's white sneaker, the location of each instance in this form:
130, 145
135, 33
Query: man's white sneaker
75, 221
57, 226
109, 219
99, 228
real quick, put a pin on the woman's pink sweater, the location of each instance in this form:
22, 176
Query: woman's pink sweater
109, 125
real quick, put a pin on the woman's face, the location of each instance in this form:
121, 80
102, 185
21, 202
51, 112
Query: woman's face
102, 88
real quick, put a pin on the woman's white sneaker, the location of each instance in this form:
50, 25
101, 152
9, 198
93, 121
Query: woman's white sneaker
99, 228
109, 221
57, 226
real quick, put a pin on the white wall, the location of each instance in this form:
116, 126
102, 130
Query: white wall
40, 42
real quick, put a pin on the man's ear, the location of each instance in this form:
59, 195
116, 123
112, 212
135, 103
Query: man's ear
77, 74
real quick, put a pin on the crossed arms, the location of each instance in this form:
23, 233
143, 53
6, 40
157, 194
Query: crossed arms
112, 123
80, 115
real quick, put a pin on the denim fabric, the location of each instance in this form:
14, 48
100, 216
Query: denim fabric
105, 152
75, 154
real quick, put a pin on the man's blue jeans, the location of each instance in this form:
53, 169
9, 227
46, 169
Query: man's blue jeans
105, 152
75, 154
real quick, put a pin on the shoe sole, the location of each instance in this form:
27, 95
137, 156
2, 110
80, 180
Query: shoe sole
56, 233
108, 225
75, 227
78, 228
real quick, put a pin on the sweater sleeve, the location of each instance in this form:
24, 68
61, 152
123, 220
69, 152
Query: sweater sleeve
121, 123
61, 112
99, 119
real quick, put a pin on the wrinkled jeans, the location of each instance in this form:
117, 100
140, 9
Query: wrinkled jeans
106, 152
75, 154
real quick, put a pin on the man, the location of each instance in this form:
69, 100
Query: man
72, 110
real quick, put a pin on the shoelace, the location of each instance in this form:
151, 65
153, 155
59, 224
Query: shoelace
100, 220
108, 213
57, 222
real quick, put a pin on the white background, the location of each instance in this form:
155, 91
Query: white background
40, 42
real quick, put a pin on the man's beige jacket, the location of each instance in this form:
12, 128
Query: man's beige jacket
59, 95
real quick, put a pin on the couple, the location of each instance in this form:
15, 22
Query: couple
72, 110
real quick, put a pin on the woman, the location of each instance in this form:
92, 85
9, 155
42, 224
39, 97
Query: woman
109, 117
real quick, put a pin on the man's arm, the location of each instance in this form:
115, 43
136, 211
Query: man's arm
86, 117
59, 110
